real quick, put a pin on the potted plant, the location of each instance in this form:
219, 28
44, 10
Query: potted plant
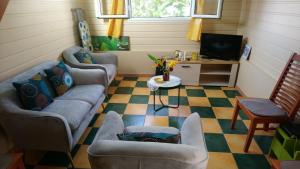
162, 66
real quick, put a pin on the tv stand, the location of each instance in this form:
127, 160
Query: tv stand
207, 72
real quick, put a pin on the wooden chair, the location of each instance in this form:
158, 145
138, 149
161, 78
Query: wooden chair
282, 105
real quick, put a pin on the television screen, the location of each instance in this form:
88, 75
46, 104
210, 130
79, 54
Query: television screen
220, 46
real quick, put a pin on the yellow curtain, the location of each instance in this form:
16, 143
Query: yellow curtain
115, 26
195, 26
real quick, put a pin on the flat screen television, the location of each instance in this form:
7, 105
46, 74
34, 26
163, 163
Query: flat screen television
221, 46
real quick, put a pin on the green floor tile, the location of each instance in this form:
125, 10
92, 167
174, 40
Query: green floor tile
115, 83
107, 98
231, 93
55, 159
243, 115
75, 150
219, 102
130, 78
195, 93
240, 127
89, 139
163, 92
124, 90
264, 142
204, 112
117, 107
139, 99
94, 119
173, 100
133, 120
141, 84
176, 122
251, 161
216, 142
161, 112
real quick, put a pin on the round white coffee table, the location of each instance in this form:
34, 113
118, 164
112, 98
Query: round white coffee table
156, 83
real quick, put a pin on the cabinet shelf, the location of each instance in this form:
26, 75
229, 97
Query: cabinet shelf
216, 72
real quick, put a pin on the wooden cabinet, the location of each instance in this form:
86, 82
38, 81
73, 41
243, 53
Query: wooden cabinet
207, 72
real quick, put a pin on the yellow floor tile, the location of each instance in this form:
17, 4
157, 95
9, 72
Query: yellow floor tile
193, 87
120, 98
127, 84
260, 132
199, 101
181, 111
111, 90
174, 92
165, 99
236, 144
136, 109
215, 93
146, 78
156, 121
232, 101
100, 109
211, 125
141, 91
84, 135
81, 158
119, 77
99, 121
221, 161
223, 112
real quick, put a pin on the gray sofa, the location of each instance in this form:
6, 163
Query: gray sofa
59, 126
108, 62
108, 152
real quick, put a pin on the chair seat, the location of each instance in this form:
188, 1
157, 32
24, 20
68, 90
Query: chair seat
262, 107
87, 93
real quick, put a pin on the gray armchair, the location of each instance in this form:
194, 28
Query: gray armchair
108, 152
108, 62
59, 126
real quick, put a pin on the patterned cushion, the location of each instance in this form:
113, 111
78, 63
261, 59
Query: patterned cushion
84, 56
60, 78
150, 137
34, 93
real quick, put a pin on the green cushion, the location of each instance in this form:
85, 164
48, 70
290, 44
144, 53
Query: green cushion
150, 137
34, 93
83, 56
60, 78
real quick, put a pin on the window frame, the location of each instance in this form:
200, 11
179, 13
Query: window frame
99, 15
203, 16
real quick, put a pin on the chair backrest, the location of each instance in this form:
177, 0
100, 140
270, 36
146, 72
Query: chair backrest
286, 93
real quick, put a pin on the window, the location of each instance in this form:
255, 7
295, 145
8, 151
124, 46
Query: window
161, 9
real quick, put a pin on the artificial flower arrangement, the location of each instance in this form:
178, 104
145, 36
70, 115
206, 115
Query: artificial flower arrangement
163, 66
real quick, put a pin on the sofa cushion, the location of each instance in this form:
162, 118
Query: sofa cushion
262, 107
87, 93
34, 93
60, 78
73, 111
84, 56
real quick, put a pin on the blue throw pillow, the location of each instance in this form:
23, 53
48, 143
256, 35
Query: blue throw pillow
84, 56
150, 137
34, 93
60, 78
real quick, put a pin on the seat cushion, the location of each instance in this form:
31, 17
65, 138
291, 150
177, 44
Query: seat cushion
87, 93
73, 111
84, 56
111, 70
262, 107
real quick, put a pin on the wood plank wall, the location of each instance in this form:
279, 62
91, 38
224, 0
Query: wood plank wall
32, 31
273, 29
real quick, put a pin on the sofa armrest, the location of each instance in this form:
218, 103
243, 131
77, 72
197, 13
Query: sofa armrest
192, 133
89, 76
175, 156
105, 58
36, 130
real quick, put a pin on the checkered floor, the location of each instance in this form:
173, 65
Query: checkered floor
130, 97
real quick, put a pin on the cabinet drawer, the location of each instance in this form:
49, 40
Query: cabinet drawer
189, 73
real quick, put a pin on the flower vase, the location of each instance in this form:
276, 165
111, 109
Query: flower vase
166, 76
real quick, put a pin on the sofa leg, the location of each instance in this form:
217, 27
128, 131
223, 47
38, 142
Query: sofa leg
71, 160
